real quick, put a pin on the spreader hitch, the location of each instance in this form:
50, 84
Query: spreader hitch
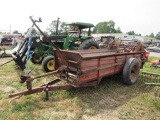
23, 78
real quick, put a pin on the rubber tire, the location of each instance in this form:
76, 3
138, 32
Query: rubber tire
88, 43
131, 62
34, 61
45, 62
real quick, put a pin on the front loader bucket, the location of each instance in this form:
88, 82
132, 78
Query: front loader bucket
19, 43
19, 56
20, 51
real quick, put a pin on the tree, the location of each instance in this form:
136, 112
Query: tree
111, 25
118, 30
34, 31
151, 35
45, 32
106, 27
52, 27
158, 36
138, 34
39, 34
101, 27
15, 32
62, 28
131, 33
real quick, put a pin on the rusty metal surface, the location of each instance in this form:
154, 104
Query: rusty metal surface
47, 87
95, 64
81, 68
40, 89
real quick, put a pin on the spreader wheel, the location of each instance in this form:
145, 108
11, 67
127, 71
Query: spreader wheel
48, 64
131, 71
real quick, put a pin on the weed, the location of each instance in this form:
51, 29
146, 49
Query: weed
156, 103
1, 94
109, 96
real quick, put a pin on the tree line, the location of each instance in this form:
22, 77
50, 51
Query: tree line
101, 27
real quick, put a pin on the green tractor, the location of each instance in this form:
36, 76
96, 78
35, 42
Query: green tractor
40, 49
79, 40
75, 40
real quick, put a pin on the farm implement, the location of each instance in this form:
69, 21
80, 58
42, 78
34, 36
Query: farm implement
151, 83
155, 63
4, 53
7, 43
4, 49
40, 50
83, 68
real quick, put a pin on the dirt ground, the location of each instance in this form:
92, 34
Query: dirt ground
5, 59
116, 103
108, 109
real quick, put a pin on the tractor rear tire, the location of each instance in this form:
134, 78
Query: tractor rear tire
89, 44
131, 71
36, 58
48, 64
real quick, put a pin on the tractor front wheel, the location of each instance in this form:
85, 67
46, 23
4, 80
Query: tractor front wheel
89, 44
36, 58
48, 64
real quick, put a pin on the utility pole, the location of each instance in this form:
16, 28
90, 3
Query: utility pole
10, 29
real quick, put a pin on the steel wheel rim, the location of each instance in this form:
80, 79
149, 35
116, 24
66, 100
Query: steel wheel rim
50, 65
92, 47
37, 58
133, 73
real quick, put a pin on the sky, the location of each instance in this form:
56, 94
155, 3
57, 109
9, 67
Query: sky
140, 16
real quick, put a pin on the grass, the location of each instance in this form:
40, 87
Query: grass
148, 68
111, 99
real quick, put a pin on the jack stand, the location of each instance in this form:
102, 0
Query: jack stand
46, 90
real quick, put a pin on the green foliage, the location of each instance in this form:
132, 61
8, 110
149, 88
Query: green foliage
138, 34
158, 36
15, 32
75, 104
34, 31
106, 27
156, 104
52, 27
151, 35
131, 33
118, 30
147, 65
62, 28
39, 34
45, 32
